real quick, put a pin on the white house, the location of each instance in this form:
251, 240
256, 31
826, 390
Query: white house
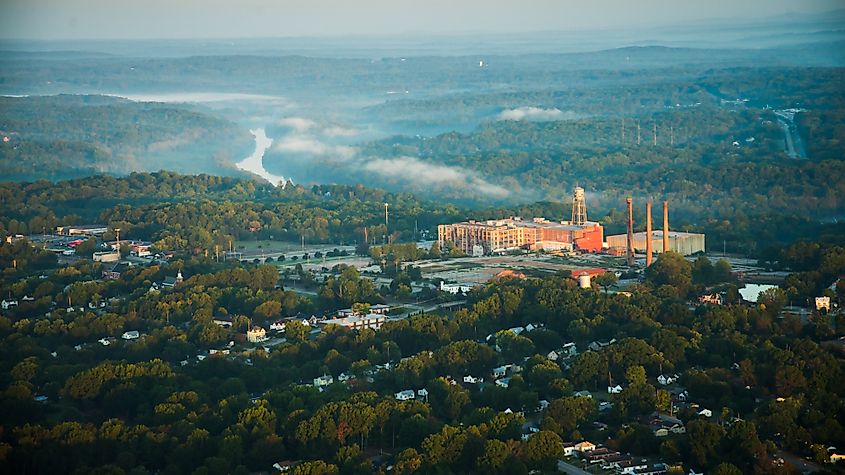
614, 389
6, 304
405, 395
343, 377
131, 335
503, 382
473, 380
568, 350
666, 379
583, 393
323, 381
543, 405
455, 288
705, 413
278, 326
552, 355
423, 393
104, 341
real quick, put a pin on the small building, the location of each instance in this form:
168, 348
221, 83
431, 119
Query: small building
278, 325
473, 380
614, 389
455, 289
568, 350
683, 243
106, 256
114, 272
7, 304
171, 282
323, 381
131, 335
583, 393
712, 299
600, 344
503, 382
823, 303
584, 447
405, 395
224, 321
82, 230
666, 379
372, 321
256, 335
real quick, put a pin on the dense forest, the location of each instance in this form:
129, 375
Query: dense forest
65, 136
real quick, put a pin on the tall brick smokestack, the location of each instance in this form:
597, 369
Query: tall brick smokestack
665, 226
648, 244
630, 202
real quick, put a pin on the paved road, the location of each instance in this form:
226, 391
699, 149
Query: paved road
570, 469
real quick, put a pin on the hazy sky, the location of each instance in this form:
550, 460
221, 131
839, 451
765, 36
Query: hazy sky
96, 19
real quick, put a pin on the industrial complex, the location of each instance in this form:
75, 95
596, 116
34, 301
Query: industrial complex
494, 236
479, 238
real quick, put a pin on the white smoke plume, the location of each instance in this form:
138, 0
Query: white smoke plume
416, 171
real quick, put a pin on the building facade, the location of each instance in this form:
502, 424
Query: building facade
683, 243
514, 233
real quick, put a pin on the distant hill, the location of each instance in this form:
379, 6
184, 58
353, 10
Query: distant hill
66, 136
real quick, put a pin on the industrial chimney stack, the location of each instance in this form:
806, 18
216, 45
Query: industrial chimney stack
630, 202
648, 244
665, 226
579, 207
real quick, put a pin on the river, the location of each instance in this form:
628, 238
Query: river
255, 162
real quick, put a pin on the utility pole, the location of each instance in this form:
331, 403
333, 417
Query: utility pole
654, 124
638, 131
671, 135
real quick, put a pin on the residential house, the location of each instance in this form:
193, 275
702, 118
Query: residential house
256, 335
600, 344
405, 395
7, 304
712, 299
705, 413
224, 321
131, 335
543, 405
553, 355
323, 381
614, 389
455, 288
584, 446
503, 382
568, 449
666, 379
286, 465
278, 325
113, 272
170, 282
423, 393
473, 380
569, 350
583, 393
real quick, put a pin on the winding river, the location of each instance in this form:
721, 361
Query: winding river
255, 162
